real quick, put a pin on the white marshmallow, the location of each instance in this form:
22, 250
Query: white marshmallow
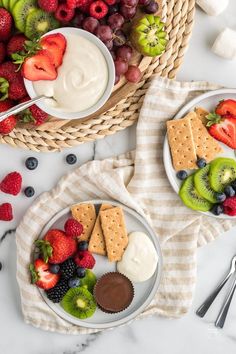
225, 44
213, 7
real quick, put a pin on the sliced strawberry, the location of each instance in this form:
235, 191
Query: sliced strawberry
222, 129
54, 39
55, 53
41, 276
227, 108
39, 67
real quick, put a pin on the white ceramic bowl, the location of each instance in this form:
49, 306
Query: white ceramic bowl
110, 84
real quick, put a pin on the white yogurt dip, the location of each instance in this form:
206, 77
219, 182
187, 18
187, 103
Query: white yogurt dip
82, 77
140, 258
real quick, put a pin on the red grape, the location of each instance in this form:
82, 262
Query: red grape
133, 74
128, 12
121, 66
113, 54
152, 7
90, 24
104, 33
144, 2
109, 44
117, 79
119, 38
124, 52
115, 21
130, 3
113, 9
78, 20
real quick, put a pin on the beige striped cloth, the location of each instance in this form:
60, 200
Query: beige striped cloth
138, 180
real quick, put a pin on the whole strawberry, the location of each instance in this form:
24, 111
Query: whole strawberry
85, 259
6, 212
33, 114
3, 52
11, 184
41, 275
48, 5
5, 24
11, 82
73, 228
16, 44
8, 124
56, 247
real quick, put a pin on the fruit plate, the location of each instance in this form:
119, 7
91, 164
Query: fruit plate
208, 101
144, 292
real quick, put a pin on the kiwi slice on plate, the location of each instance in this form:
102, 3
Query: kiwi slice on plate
39, 22
191, 198
5, 4
222, 172
21, 11
148, 37
89, 281
202, 184
79, 302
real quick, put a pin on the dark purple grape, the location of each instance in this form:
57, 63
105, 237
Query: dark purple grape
124, 52
119, 38
78, 20
129, 3
104, 33
128, 12
151, 8
113, 54
115, 21
117, 79
121, 66
109, 44
144, 2
90, 24
113, 9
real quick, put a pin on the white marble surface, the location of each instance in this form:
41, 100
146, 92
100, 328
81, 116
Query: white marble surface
153, 335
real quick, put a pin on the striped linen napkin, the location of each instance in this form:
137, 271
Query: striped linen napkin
138, 180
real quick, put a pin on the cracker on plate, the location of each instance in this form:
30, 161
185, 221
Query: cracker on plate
86, 215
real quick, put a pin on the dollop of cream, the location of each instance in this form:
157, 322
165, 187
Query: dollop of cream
140, 258
82, 77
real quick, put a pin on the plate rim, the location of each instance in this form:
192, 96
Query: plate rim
61, 313
166, 149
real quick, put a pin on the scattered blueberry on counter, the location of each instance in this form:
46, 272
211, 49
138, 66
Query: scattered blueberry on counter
201, 163
217, 209
71, 159
29, 192
31, 163
182, 175
0, 266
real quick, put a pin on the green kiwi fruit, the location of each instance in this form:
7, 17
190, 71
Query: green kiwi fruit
79, 302
1, 3
191, 198
89, 281
21, 11
39, 22
202, 184
222, 172
5, 4
12, 3
148, 37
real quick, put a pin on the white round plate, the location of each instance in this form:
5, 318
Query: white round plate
144, 292
208, 101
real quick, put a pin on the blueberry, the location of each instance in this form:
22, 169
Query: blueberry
83, 246
229, 191
201, 163
54, 268
0, 266
81, 272
29, 192
73, 282
220, 197
233, 184
31, 163
71, 159
182, 175
217, 209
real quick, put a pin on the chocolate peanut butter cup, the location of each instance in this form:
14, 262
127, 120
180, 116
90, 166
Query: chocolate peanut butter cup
113, 292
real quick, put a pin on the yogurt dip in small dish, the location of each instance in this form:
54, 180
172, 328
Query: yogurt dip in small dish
85, 79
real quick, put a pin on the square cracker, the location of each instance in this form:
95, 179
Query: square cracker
97, 242
86, 215
181, 143
206, 146
201, 114
114, 231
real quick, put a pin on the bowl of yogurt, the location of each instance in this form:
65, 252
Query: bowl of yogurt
85, 79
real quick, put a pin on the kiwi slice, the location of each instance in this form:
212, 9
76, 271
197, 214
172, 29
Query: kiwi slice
202, 184
5, 4
191, 198
148, 37
12, 3
79, 302
39, 22
89, 281
20, 12
222, 172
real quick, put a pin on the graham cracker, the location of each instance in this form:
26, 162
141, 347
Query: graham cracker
181, 143
114, 231
201, 114
86, 215
206, 146
97, 242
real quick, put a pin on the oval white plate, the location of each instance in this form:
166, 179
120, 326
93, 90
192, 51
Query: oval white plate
144, 292
208, 101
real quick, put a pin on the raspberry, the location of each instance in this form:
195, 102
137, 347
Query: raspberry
64, 13
229, 206
6, 212
2, 52
11, 184
85, 8
73, 228
85, 259
48, 5
80, 3
110, 2
98, 9
72, 4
